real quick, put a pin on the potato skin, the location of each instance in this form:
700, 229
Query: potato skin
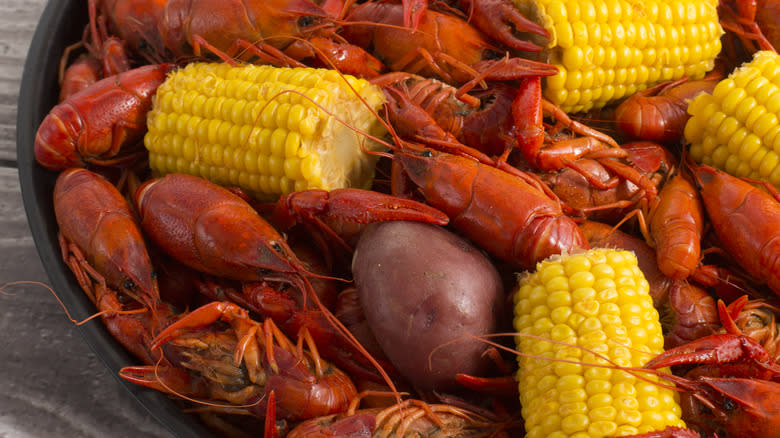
422, 286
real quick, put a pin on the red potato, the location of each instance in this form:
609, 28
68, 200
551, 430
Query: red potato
422, 287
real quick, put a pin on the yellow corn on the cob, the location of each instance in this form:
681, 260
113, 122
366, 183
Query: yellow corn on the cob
251, 126
597, 300
736, 127
609, 49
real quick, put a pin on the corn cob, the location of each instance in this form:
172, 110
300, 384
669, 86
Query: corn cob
251, 126
599, 301
736, 128
609, 49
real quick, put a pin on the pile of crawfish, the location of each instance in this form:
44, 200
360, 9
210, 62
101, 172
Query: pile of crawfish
275, 340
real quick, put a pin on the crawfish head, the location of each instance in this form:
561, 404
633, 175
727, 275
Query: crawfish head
734, 407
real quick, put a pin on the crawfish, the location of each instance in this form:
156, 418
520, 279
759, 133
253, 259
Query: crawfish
242, 364
280, 32
755, 31
495, 18
443, 46
101, 123
676, 224
100, 238
647, 158
504, 213
106, 56
481, 120
80, 74
411, 418
549, 149
755, 319
197, 222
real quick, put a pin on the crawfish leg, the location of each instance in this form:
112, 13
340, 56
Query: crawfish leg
84, 272
417, 60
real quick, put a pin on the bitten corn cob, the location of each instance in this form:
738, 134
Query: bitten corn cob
736, 128
238, 126
598, 300
609, 49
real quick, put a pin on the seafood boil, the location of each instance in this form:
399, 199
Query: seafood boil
494, 218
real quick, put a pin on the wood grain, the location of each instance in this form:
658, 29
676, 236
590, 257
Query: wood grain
51, 384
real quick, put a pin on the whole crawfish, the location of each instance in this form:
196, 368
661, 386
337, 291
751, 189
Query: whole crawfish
675, 228
102, 244
100, 237
242, 364
102, 123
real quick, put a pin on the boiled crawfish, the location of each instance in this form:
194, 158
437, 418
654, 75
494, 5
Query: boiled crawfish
411, 418
100, 238
279, 32
650, 159
102, 124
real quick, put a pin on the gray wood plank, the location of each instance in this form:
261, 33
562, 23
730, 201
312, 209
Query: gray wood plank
18, 19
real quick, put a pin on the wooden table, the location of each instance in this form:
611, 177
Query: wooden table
51, 384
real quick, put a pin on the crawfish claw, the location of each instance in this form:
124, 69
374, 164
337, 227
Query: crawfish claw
497, 18
200, 317
713, 349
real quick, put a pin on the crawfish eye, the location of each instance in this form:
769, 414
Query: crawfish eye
729, 405
128, 284
276, 247
491, 54
305, 21
427, 153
